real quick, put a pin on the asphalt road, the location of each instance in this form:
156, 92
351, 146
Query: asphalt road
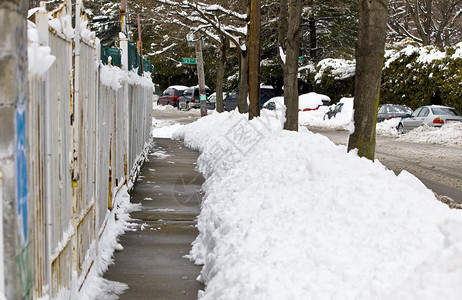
438, 167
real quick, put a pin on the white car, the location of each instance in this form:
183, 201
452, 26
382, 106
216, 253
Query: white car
430, 115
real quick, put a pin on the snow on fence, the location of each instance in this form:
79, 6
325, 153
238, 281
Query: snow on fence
88, 128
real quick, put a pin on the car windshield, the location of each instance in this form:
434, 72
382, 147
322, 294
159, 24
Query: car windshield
445, 111
398, 109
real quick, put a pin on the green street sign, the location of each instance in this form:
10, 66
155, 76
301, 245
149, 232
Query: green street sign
188, 60
300, 58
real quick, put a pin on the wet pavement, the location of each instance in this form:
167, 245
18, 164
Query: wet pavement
152, 263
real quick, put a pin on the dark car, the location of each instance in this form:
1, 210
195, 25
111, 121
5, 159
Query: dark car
190, 98
231, 101
266, 93
390, 111
171, 94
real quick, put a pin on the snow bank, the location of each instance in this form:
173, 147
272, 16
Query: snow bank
118, 221
311, 100
449, 134
341, 120
290, 215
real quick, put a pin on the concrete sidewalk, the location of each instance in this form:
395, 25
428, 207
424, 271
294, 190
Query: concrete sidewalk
152, 262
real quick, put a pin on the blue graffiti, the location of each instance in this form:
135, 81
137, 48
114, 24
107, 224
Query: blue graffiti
21, 169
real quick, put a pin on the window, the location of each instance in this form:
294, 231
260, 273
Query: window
445, 111
424, 112
416, 112
188, 92
167, 92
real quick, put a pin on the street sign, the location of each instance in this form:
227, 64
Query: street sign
188, 60
300, 58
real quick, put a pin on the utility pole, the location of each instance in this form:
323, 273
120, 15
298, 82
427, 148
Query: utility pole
200, 74
313, 39
254, 59
15, 265
123, 9
140, 44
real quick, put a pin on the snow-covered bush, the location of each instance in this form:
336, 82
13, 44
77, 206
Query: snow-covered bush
331, 77
411, 75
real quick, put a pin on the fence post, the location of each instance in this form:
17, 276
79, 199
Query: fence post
76, 96
13, 148
2, 274
41, 21
126, 67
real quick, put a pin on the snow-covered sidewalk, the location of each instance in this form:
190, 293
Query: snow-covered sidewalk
290, 215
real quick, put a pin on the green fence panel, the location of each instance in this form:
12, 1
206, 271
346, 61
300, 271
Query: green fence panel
134, 60
114, 53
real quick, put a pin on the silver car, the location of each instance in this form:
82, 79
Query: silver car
431, 115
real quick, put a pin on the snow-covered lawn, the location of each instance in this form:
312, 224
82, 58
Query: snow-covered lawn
290, 215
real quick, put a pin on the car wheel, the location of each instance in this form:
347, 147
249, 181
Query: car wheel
400, 128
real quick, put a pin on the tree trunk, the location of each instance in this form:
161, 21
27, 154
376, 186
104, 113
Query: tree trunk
243, 82
254, 59
291, 65
369, 62
283, 27
220, 75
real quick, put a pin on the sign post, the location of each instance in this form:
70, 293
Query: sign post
200, 75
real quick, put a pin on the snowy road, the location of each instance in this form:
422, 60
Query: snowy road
437, 166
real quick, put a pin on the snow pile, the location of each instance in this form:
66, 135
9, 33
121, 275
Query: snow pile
449, 134
63, 25
289, 215
164, 129
39, 57
163, 107
388, 127
87, 35
311, 100
113, 77
341, 120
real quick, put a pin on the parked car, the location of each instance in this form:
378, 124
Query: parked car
333, 111
191, 98
212, 100
312, 101
266, 93
390, 111
275, 103
430, 115
230, 101
171, 94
